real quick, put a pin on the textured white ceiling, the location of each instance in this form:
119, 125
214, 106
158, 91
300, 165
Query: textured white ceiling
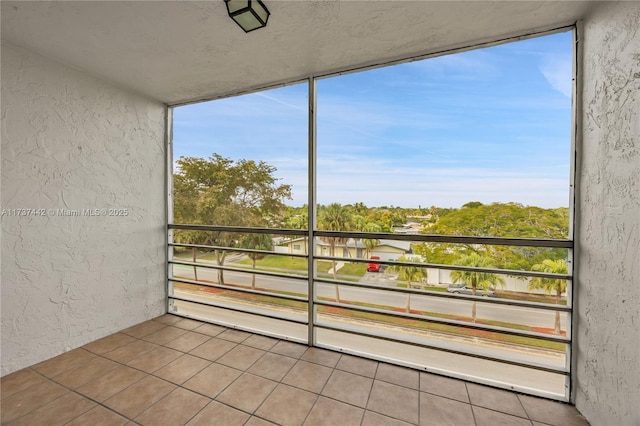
178, 51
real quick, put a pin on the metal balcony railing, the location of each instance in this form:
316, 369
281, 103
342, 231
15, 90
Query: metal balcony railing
508, 343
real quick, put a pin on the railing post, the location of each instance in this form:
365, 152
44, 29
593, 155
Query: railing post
169, 204
311, 214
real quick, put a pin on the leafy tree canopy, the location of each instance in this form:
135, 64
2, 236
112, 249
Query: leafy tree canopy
504, 220
499, 220
220, 191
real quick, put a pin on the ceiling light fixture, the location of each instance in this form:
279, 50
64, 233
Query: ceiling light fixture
249, 14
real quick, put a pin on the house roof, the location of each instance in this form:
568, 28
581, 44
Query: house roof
402, 245
179, 51
350, 243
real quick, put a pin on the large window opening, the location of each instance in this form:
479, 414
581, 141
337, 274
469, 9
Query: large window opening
419, 212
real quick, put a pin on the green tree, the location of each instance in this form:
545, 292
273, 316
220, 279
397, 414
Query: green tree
299, 220
409, 273
358, 223
504, 220
334, 217
476, 279
387, 218
220, 191
472, 205
360, 208
556, 285
371, 243
498, 220
256, 242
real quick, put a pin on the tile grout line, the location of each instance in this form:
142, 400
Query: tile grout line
148, 374
318, 394
473, 413
524, 408
122, 390
366, 404
279, 382
98, 403
243, 371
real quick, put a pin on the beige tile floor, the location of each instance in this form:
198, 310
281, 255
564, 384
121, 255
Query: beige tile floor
175, 371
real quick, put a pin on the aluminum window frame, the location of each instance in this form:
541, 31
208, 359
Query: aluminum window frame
312, 232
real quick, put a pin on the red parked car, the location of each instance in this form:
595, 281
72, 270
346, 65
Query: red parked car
373, 267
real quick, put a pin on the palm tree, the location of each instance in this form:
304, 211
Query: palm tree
256, 242
476, 279
358, 223
551, 284
410, 274
300, 221
334, 217
370, 244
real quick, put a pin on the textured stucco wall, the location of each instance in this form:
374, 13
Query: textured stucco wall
608, 365
71, 141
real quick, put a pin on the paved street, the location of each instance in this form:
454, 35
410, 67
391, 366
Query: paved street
512, 314
436, 360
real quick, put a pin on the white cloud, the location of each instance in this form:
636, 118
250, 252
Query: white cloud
385, 183
558, 70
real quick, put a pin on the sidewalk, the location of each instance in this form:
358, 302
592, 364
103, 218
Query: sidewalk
339, 265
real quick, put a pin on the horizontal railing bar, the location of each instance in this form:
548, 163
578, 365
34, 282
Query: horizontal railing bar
493, 300
239, 289
447, 295
411, 342
238, 249
202, 246
230, 308
237, 327
439, 371
456, 239
238, 229
460, 239
513, 272
246, 271
391, 263
405, 341
428, 238
434, 238
490, 300
455, 323
386, 262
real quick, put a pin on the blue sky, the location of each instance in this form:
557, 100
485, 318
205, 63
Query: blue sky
489, 125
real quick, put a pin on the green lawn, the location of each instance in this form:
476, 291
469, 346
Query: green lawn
276, 262
280, 263
354, 269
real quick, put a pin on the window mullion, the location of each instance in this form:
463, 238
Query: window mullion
311, 214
